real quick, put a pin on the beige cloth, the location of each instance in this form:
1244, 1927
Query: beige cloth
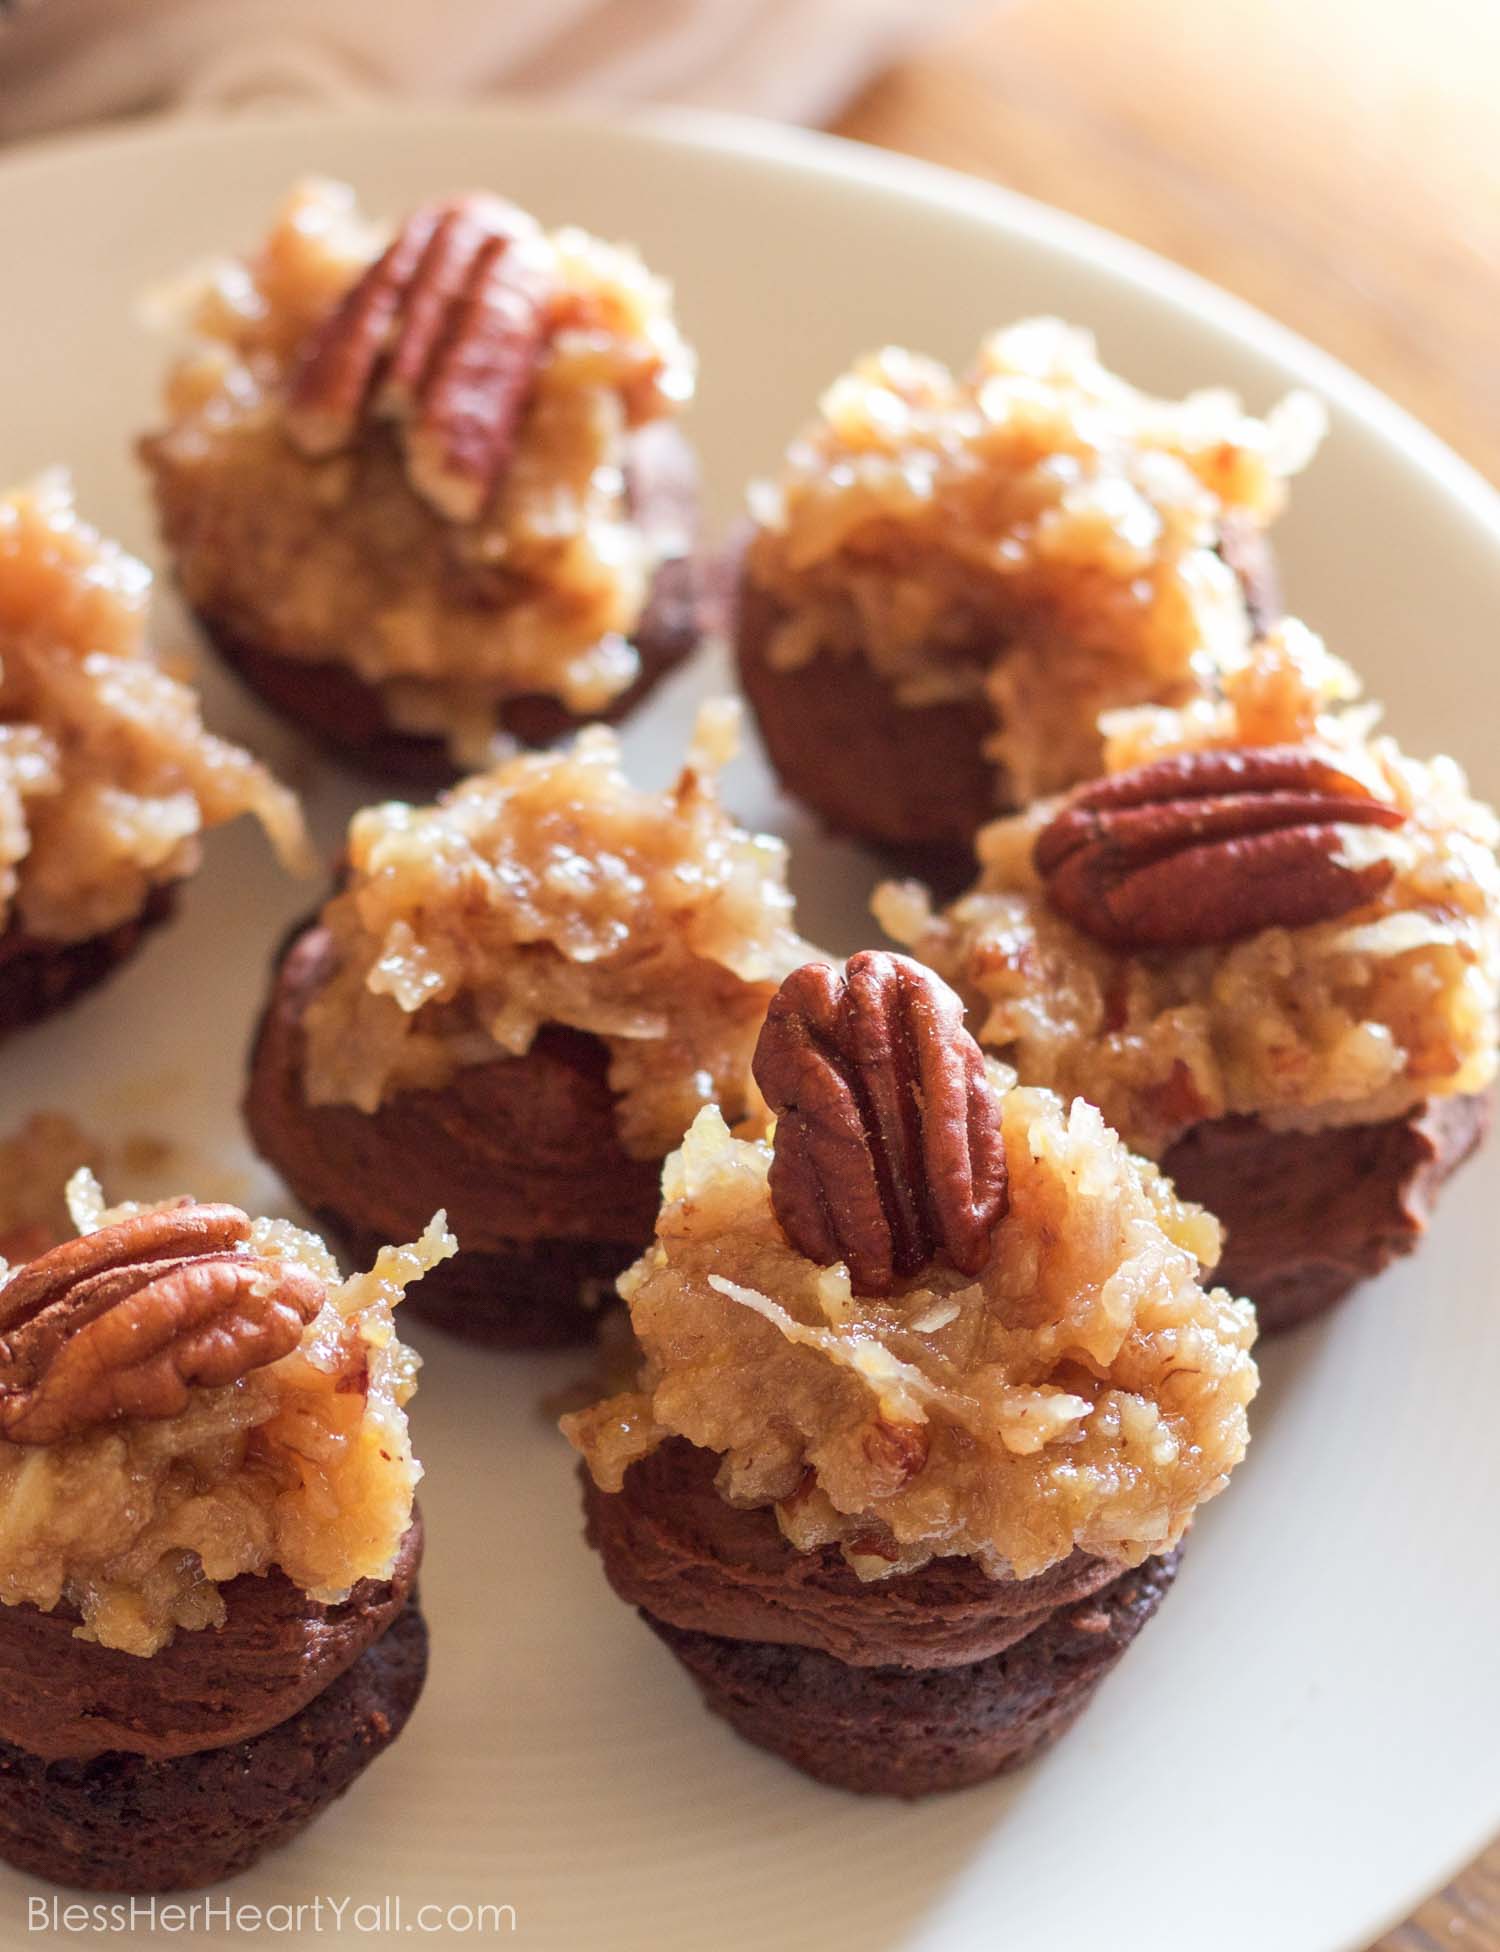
64, 62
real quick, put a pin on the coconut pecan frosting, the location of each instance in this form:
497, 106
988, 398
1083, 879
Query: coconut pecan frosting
1032, 533
108, 777
420, 455
552, 889
1263, 907
931, 1315
187, 1394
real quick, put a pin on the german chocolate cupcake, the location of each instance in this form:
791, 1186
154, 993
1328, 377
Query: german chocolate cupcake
1266, 944
208, 1557
515, 1005
108, 779
953, 577
423, 487
930, 1388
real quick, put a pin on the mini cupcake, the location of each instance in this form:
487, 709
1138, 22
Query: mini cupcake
516, 1003
208, 1614
1266, 944
424, 487
107, 776
929, 1390
952, 578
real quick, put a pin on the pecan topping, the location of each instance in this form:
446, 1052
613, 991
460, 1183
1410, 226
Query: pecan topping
897, 1451
1205, 847
888, 1152
125, 1321
442, 335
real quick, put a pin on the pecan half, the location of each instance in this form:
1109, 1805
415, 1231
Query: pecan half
888, 1152
1204, 847
124, 1322
442, 335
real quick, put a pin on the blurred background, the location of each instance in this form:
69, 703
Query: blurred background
1336, 162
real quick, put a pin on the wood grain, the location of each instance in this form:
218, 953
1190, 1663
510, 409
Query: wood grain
1336, 162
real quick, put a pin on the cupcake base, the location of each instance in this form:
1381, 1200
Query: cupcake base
62, 1698
38, 977
1309, 1215
901, 1731
542, 1294
925, 1681
522, 1153
347, 715
910, 780
122, 1822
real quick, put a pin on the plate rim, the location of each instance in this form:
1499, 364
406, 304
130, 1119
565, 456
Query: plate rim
1475, 500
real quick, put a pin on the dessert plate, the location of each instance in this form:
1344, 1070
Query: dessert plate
1305, 1742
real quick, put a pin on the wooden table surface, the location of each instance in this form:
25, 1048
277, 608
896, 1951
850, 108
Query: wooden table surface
1337, 162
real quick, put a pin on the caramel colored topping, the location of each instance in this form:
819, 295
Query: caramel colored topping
553, 890
1083, 1389
107, 776
190, 1395
412, 457
1034, 532
1322, 1013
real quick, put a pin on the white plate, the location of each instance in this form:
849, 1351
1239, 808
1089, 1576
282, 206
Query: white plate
1305, 1742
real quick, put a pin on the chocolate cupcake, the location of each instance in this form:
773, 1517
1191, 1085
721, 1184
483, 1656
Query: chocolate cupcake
108, 778
424, 488
208, 1613
929, 1391
1267, 945
515, 1005
953, 577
